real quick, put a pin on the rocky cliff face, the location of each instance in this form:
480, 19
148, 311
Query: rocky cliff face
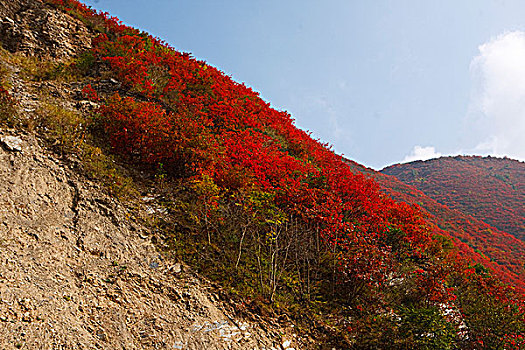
35, 29
77, 270
78, 273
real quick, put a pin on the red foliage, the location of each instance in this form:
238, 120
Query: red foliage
90, 93
481, 243
223, 129
490, 189
146, 130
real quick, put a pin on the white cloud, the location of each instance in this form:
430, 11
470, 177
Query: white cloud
422, 153
497, 106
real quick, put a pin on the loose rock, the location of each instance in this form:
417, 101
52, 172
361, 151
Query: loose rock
12, 143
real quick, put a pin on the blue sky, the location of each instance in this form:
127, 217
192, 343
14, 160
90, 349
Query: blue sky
382, 81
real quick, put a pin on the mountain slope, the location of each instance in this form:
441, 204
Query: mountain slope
496, 249
79, 268
234, 190
79, 271
490, 189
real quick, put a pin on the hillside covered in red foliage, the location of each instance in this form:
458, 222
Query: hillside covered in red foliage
490, 189
279, 219
498, 250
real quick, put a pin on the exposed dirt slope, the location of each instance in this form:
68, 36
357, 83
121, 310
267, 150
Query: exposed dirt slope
78, 273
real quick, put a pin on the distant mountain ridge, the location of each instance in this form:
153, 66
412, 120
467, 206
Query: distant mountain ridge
496, 249
490, 189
